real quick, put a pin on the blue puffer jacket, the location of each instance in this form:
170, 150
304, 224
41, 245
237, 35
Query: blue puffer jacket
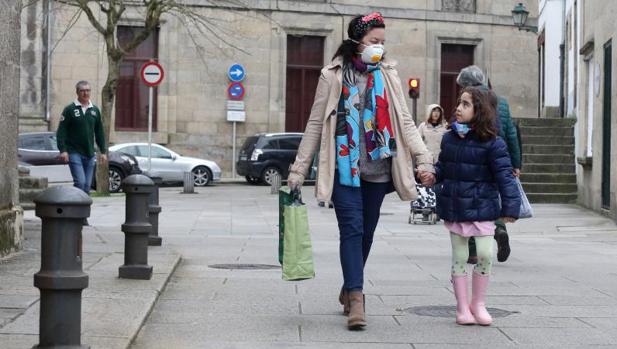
472, 177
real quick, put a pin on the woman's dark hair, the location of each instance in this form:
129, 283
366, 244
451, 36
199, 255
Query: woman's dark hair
483, 122
348, 48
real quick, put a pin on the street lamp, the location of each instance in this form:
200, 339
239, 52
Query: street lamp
519, 15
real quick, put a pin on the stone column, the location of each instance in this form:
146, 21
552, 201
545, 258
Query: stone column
11, 214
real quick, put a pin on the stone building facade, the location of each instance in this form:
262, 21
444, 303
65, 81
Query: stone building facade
282, 44
595, 99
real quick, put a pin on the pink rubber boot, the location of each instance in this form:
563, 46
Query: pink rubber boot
463, 314
479, 284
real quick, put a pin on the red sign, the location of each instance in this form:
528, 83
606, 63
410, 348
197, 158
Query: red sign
235, 91
152, 73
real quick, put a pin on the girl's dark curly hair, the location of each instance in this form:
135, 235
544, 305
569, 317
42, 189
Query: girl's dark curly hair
355, 31
483, 122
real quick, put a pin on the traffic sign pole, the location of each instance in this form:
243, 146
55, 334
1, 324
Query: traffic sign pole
152, 74
150, 101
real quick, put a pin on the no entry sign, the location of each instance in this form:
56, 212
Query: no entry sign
152, 73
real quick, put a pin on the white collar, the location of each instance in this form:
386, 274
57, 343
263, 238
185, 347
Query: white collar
78, 104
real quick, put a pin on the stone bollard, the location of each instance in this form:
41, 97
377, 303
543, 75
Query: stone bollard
61, 279
136, 228
154, 209
275, 184
189, 183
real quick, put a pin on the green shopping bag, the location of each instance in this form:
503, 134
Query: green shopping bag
295, 250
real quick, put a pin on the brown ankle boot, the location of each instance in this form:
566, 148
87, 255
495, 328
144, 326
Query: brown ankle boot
343, 298
356, 320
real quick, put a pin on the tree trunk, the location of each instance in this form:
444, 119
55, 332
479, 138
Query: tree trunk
107, 103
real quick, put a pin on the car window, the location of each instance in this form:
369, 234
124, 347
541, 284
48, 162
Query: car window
289, 143
249, 142
156, 152
52, 143
270, 144
131, 150
33, 143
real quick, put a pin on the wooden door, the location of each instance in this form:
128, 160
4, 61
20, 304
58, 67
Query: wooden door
132, 93
453, 59
304, 63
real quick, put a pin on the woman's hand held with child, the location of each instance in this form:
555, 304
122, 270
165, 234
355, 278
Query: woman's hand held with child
507, 219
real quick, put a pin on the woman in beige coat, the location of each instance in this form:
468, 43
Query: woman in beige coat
433, 129
366, 139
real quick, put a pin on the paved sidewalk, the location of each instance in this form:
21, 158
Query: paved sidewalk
113, 309
559, 288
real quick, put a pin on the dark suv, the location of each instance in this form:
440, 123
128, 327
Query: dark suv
266, 155
40, 148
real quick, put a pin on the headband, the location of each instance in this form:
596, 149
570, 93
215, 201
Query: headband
365, 23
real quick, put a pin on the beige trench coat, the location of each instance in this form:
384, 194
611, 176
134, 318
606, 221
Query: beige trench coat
321, 127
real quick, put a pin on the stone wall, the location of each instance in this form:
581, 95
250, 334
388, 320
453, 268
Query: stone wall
191, 99
11, 215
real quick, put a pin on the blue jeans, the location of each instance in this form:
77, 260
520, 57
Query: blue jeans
82, 169
357, 213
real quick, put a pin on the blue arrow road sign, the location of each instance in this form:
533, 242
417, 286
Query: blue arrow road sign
236, 72
235, 91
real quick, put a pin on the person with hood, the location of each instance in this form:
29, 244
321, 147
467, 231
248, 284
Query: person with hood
473, 76
433, 129
366, 139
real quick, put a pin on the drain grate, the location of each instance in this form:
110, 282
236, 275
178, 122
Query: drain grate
386, 214
245, 266
450, 311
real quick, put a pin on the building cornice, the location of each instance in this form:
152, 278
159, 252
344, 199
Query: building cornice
315, 8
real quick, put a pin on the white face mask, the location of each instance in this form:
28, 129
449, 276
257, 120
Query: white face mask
372, 53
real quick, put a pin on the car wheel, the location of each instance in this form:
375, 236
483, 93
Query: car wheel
201, 176
253, 180
115, 179
269, 173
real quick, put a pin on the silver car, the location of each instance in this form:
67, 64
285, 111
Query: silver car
169, 165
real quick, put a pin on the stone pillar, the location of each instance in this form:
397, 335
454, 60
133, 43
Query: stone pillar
11, 214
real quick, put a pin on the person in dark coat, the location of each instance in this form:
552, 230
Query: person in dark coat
475, 186
473, 76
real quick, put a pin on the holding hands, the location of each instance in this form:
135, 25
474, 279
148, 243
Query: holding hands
427, 178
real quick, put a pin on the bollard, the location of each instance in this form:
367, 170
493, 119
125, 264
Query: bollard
154, 209
61, 278
136, 228
189, 183
275, 184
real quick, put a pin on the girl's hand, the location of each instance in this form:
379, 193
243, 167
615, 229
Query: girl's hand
508, 219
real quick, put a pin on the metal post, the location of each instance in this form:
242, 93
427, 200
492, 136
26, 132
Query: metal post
276, 184
150, 99
189, 183
233, 151
136, 228
414, 102
154, 209
61, 278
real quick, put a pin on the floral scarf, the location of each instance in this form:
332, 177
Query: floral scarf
375, 116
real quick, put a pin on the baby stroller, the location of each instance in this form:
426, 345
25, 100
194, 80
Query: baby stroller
423, 208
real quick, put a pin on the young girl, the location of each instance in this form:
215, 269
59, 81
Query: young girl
475, 187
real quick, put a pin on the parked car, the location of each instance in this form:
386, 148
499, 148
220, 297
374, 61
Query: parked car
266, 155
41, 149
169, 165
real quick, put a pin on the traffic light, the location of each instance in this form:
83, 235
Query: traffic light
414, 88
